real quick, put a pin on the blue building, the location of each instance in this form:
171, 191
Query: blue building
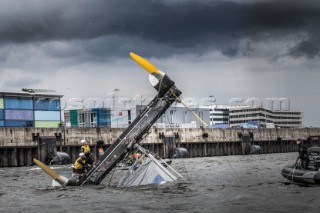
29, 110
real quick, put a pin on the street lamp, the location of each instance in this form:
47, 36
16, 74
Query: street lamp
212, 101
141, 100
116, 105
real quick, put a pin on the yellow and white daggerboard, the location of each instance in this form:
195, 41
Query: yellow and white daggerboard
55, 176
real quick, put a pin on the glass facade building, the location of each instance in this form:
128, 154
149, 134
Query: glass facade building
29, 110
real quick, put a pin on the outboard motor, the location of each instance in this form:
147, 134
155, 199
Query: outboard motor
317, 162
314, 157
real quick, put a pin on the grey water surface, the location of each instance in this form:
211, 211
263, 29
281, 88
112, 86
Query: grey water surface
251, 183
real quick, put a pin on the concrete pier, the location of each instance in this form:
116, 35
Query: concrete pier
19, 145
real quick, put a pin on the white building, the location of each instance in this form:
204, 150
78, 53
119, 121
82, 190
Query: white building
265, 117
180, 117
219, 117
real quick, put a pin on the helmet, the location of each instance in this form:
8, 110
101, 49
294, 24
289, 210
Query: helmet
81, 154
83, 141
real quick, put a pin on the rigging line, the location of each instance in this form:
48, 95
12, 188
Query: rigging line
172, 169
111, 177
185, 105
232, 168
184, 165
291, 173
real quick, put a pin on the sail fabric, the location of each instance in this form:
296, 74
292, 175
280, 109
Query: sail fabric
149, 173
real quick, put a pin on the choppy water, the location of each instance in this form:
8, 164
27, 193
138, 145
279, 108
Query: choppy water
216, 184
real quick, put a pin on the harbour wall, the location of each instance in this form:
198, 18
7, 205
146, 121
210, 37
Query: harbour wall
18, 146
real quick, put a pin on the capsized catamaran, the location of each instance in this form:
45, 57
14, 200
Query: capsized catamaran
167, 94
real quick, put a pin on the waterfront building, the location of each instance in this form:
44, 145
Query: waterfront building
180, 117
121, 118
95, 117
241, 116
219, 117
30, 110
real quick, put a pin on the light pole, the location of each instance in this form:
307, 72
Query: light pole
116, 105
141, 100
211, 111
140, 103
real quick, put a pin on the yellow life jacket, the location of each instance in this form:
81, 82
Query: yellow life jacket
86, 149
77, 165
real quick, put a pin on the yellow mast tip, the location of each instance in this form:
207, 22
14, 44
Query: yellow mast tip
144, 63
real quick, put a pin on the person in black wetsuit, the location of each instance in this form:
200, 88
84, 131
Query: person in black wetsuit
303, 158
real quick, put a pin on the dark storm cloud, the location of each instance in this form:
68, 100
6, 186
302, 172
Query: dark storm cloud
309, 48
177, 25
21, 82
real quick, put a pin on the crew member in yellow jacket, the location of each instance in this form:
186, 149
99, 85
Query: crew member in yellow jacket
80, 164
85, 148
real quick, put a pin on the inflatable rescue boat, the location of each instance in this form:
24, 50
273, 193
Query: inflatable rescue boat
310, 175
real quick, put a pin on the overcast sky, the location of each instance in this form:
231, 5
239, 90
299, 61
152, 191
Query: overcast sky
226, 48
